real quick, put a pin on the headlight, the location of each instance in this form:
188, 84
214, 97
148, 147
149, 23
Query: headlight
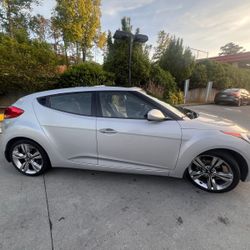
243, 136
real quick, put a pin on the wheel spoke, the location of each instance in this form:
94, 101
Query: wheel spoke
219, 163
18, 155
25, 148
36, 156
214, 184
196, 175
25, 166
35, 165
214, 161
224, 176
209, 183
198, 162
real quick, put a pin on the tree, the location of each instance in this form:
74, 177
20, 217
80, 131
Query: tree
162, 44
79, 22
199, 77
177, 60
26, 66
15, 15
85, 74
40, 26
117, 56
231, 49
223, 75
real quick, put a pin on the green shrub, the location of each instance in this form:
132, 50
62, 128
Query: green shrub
174, 98
25, 66
163, 78
222, 75
85, 74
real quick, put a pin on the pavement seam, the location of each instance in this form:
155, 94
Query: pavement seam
49, 220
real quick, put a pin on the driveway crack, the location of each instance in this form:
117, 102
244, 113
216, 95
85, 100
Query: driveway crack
48, 212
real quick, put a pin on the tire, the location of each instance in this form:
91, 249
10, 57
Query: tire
214, 171
29, 158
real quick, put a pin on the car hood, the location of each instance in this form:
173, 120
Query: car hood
211, 122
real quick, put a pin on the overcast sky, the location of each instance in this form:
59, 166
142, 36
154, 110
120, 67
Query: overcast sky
204, 25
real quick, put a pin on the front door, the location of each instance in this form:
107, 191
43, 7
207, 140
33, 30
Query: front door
126, 139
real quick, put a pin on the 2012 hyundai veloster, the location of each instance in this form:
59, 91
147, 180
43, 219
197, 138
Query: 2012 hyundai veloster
123, 130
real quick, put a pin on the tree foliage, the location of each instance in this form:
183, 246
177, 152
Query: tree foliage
15, 15
85, 74
79, 23
177, 60
40, 26
231, 49
163, 78
116, 59
162, 44
221, 74
25, 66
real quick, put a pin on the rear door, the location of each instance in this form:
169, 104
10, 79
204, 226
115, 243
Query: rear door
69, 122
126, 139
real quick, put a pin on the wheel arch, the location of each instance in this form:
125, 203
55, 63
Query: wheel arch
13, 140
244, 168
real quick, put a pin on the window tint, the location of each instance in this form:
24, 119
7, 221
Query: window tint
77, 103
123, 105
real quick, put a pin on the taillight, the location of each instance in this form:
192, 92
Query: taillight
12, 112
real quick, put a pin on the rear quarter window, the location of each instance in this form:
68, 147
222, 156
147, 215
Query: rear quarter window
75, 103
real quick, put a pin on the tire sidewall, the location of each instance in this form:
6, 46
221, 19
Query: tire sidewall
233, 165
46, 162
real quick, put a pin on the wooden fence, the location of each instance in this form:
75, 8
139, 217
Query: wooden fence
199, 95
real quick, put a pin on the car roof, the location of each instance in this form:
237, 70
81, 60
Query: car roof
81, 89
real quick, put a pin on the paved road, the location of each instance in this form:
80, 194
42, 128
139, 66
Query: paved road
241, 115
74, 209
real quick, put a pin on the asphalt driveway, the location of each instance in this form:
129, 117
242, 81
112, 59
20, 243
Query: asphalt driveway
77, 209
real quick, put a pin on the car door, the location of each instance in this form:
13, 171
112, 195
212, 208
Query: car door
69, 122
126, 139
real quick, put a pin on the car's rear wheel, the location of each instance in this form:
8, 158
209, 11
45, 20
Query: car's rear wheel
215, 172
29, 158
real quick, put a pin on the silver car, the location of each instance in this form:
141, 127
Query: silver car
123, 130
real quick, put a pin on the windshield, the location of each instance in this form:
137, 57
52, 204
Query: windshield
168, 106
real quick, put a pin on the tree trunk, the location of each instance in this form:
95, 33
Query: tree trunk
78, 53
84, 53
9, 19
65, 52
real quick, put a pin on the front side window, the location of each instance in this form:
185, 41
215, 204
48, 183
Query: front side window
76, 103
123, 105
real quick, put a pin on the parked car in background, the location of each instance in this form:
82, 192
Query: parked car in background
233, 96
123, 130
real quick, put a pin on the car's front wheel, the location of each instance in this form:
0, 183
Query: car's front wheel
29, 158
215, 172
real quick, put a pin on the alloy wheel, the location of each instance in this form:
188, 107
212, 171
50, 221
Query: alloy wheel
211, 172
27, 158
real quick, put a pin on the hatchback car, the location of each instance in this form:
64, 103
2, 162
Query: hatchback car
123, 130
233, 96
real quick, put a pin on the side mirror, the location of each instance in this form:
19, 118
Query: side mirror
155, 115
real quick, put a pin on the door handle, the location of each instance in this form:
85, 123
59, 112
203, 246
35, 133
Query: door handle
108, 131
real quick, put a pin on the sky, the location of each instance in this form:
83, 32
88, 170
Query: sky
203, 25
